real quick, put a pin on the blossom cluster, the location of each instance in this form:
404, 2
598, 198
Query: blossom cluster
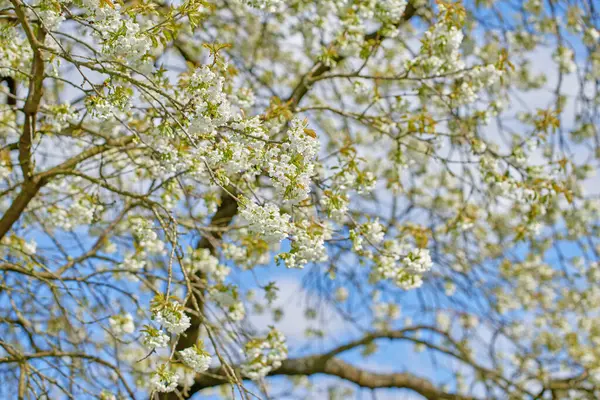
266, 221
290, 165
147, 237
122, 37
170, 314
372, 231
440, 47
266, 5
196, 358
122, 324
210, 105
227, 297
403, 265
264, 354
15, 55
308, 244
164, 380
153, 338
202, 260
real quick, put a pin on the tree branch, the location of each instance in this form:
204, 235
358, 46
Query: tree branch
320, 68
313, 365
32, 186
36, 90
221, 219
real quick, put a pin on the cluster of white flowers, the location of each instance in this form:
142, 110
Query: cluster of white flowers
533, 196
417, 261
121, 324
565, 59
49, 13
300, 141
308, 244
352, 177
244, 148
290, 165
167, 157
187, 376
170, 314
244, 98
164, 380
266, 5
531, 278
372, 231
121, 36
210, 103
267, 221
202, 260
19, 244
61, 116
474, 81
353, 21
100, 107
243, 144
386, 311
195, 358
439, 50
264, 355
440, 55
153, 338
80, 211
251, 251
350, 38
148, 239
390, 11
228, 298
15, 54
335, 205
112, 100
127, 41
401, 264
134, 261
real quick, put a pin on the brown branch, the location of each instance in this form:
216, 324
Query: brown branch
320, 68
32, 186
221, 219
17, 357
313, 365
28, 192
36, 90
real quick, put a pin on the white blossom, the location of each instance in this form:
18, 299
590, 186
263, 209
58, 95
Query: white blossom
153, 338
164, 380
195, 358
264, 354
122, 324
267, 221
170, 315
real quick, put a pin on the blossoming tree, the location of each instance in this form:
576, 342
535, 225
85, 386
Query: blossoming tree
426, 169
